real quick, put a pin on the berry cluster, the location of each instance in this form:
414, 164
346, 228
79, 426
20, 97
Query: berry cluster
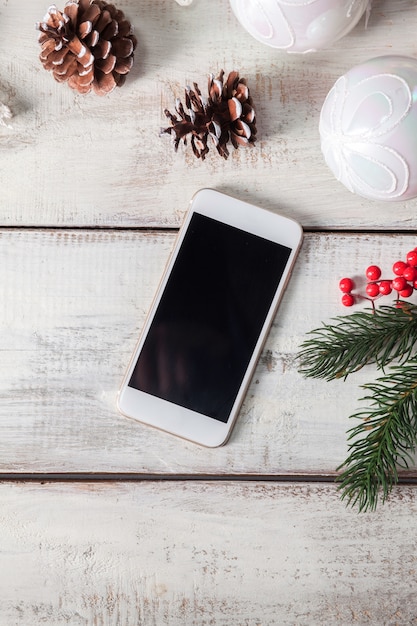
403, 283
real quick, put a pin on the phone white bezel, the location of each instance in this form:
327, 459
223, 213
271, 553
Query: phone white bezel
178, 420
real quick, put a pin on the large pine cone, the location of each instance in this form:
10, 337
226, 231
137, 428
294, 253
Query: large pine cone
226, 115
89, 44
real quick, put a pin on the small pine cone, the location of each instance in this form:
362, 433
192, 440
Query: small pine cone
89, 44
227, 115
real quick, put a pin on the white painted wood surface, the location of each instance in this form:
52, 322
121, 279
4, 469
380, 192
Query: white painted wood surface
199, 554
80, 177
72, 310
85, 160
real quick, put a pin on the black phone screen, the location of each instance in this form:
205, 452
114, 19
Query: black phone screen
208, 320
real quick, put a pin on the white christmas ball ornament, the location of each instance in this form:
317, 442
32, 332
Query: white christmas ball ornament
368, 128
299, 25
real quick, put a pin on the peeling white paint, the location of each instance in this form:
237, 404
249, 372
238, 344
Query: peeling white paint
72, 303
203, 553
128, 175
72, 311
5, 115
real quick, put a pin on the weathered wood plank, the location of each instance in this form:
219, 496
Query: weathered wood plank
72, 306
201, 553
85, 160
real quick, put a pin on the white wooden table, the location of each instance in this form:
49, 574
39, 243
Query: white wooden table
107, 522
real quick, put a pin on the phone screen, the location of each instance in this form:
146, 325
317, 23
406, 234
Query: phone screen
209, 318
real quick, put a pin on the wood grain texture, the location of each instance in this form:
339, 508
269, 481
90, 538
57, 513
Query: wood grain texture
203, 554
73, 303
84, 160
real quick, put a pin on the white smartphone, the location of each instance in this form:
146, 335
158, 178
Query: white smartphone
209, 319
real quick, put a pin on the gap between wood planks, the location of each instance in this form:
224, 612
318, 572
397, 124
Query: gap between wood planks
378, 230
404, 478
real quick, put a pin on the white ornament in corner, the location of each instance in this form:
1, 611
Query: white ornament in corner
368, 128
184, 3
299, 25
5, 115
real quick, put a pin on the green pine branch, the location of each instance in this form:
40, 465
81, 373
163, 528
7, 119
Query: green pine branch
384, 440
337, 350
386, 436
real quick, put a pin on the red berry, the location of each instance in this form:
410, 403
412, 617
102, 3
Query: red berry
348, 299
399, 283
373, 272
385, 287
410, 273
412, 258
406, 292
346, 285
398, 268
372, 289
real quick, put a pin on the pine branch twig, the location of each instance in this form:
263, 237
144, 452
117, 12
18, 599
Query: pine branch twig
384, 440
386, 435
339, 349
